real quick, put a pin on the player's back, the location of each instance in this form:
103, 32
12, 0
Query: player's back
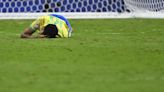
61, 25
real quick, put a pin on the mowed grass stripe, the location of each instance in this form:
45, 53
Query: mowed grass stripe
103, 55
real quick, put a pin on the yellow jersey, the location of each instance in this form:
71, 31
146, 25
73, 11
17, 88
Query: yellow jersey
40, 23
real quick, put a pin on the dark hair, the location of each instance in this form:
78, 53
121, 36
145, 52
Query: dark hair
50, 31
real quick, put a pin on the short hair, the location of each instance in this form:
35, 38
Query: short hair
50, 31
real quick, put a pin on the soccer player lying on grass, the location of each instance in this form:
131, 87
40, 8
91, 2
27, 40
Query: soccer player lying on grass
50, 26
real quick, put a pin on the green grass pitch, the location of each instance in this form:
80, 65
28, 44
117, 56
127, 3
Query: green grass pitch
104, 55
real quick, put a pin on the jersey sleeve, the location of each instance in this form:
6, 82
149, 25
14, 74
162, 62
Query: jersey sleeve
35, 25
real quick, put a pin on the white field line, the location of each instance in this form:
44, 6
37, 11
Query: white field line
143, 78
101, 33
109, 33
148, 78
154, 30
7, 33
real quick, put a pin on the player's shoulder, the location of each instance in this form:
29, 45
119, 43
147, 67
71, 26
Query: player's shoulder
43, 17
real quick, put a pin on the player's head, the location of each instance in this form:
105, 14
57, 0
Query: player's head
50, 31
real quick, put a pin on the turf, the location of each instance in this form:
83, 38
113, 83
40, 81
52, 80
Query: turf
103, 55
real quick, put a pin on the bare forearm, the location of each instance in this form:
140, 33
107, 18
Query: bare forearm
27, 33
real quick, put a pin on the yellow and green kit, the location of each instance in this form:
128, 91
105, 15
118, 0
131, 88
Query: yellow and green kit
64, 30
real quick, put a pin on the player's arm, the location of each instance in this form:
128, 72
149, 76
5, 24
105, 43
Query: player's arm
27, 33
